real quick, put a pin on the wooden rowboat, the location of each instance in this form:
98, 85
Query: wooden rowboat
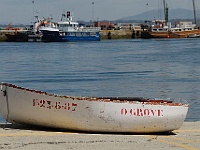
100, 114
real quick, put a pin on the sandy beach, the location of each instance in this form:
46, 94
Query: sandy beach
22, 138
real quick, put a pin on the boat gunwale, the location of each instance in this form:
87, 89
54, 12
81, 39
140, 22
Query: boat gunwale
134, 100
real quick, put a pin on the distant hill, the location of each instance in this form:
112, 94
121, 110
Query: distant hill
179, 13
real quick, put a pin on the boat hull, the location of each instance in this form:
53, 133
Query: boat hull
17, 37
169, 34
55, 36
24, 106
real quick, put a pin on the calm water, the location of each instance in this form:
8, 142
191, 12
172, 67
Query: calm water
168, 68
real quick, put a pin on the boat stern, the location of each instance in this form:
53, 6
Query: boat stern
3, 100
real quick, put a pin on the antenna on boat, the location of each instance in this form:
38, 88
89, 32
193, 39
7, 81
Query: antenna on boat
63, 15
33, 2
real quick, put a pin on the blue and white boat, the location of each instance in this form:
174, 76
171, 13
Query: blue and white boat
68, 30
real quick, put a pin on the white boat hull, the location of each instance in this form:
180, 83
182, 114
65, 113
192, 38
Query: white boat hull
24, 106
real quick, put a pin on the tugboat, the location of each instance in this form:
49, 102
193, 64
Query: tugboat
68, 30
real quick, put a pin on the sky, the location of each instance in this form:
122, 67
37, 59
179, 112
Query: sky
23, 11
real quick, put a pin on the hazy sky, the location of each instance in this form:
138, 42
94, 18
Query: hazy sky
21, 11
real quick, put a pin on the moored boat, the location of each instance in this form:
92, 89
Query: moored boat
36, 35
193, 35
161, 29
18, 36
68, 30
164, 28
96, 114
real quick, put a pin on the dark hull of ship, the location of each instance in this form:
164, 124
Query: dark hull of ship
17, 37
54, 36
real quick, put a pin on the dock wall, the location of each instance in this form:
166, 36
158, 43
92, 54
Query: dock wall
3, 34
120, 34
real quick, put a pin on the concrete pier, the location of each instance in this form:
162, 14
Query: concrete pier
20, 137
120, 34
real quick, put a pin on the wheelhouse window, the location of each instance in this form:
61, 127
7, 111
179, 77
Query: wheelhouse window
71, 34
79, 34
85, 34
92, 33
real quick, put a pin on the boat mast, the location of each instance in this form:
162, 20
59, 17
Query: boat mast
194, 8
166, 16
164, 3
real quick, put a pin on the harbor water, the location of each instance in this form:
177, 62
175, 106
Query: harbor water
156, 68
